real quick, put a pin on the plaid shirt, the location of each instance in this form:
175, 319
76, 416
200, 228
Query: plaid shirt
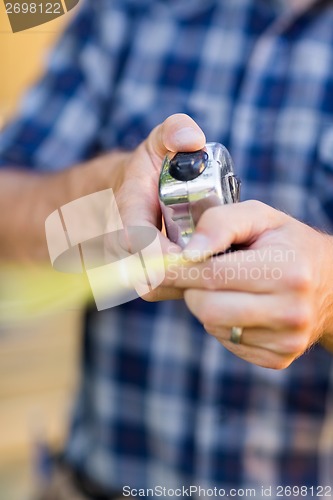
161, 402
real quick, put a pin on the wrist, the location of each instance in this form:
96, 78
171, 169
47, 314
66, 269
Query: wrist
103, 172
36, 195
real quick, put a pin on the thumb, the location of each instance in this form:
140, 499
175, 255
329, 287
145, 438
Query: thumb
240, 223
179, 132
138, 200
138, 196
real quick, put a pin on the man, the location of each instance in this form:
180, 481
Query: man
161, 402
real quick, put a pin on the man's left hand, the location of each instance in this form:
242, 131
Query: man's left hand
277, 285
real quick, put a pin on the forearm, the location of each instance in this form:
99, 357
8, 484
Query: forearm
27, 198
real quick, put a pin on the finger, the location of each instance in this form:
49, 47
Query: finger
178, 132
239, 223
163, 293
243, 309
258, 271
286, 342
258, 356
141, 252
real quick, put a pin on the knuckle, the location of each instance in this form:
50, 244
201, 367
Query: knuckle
207, 313
261, 212
151, 297
279, 363
298, 315
155, 295
294, 343
248, 314
210, 283
274, 361
259, 208
211, 329
299, 278
255, 205
199, 306
209, 215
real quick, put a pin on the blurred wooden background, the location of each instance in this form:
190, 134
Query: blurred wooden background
38, 362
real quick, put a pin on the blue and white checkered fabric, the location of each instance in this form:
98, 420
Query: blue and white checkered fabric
161, 402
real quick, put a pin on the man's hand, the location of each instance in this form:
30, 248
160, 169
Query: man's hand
136, 186
26, 198
278, 285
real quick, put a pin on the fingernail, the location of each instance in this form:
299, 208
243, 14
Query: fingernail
188, 134
197, 249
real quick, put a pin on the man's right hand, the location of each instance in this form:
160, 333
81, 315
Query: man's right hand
136, 187
26, 199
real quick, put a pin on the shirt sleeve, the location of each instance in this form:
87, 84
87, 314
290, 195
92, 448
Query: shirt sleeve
60, 117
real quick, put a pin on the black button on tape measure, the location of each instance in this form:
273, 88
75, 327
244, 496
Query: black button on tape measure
188, 166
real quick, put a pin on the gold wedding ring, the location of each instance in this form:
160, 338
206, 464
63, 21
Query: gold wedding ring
236, 333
